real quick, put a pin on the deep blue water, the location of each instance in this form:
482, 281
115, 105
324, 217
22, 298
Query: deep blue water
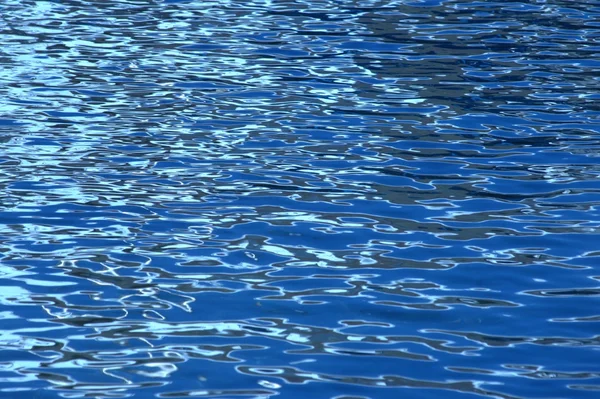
300, 199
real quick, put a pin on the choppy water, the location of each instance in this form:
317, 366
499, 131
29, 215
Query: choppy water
299, 199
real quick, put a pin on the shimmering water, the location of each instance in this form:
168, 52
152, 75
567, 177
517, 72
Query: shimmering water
299, 199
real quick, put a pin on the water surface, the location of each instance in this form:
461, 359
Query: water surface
299, 199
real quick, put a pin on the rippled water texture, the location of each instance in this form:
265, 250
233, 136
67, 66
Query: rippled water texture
299, 199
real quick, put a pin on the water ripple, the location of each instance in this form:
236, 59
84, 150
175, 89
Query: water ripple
300, 198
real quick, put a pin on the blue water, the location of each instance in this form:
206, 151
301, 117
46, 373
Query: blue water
300, 199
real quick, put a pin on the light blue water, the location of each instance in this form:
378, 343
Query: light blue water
299, 199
